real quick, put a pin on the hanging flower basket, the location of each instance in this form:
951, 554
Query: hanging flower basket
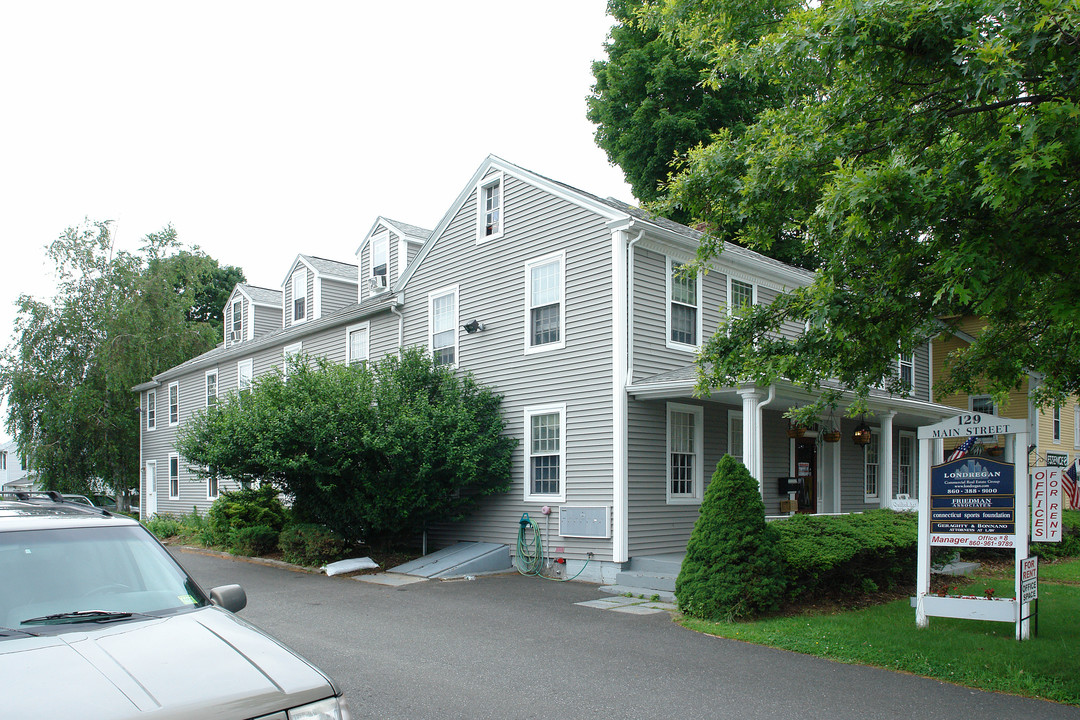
831, 436
796, 431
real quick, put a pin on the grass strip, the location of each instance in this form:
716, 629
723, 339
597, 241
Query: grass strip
972, 653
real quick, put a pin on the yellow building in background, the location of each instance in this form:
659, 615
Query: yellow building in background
1054, 431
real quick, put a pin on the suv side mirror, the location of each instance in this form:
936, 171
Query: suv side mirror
231, 597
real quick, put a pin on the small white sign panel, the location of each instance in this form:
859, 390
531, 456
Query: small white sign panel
1046, 504
1029, 579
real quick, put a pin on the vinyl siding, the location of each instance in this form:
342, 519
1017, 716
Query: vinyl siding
267, 319
491, 280
336, 294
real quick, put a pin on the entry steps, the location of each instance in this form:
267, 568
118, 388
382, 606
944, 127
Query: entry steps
459, 560
648, 576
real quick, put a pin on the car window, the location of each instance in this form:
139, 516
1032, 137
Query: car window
108, 569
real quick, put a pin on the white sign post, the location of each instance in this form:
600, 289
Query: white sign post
973, 502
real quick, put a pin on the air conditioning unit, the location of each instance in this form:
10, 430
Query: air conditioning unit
236, 336
377, 283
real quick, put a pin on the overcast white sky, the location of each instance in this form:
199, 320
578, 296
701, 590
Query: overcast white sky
264, 129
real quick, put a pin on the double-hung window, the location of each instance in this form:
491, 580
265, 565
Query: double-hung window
684, 307
685, 453
905, 475
740, 296
545, 452
735, 434
151, 410
211, 387
380, 262
174, 403
237, 321
212, 490
356, 343
1057, 423
299, 295
545, 311
871, 466
244, 374
289, 354
442, 326
489, 208
174, 476
905, 369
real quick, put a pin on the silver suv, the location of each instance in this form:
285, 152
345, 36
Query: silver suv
97, 620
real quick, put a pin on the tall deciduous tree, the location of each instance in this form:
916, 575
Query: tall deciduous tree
928, 153
650, 105
117, 319
375, 452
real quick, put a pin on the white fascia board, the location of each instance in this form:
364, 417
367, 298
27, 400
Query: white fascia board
292, 268
491, 162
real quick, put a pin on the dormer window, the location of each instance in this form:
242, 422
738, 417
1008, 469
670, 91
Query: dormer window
380, 262
905, 369
237, 321
489, 211
299, 295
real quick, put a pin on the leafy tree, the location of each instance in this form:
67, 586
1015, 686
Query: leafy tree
927, 153
117, 319
374, 452
650, 106
733, 567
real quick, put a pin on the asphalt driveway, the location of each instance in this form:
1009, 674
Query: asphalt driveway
514, 647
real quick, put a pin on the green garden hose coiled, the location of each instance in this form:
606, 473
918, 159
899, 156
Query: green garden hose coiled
530, 551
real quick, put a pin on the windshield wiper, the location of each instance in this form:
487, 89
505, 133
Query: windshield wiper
77, 616
8, 632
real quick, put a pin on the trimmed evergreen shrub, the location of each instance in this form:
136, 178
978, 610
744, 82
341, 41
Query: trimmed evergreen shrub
848, 554
245, 508
733, 568
310, 545
253, 540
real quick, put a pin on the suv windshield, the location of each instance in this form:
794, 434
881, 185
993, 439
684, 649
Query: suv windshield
99, 574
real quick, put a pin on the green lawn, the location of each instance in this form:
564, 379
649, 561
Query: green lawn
968, 652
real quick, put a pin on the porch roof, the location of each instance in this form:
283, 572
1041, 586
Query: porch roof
681, 383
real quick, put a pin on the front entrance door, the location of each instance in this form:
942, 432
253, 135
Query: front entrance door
806, 471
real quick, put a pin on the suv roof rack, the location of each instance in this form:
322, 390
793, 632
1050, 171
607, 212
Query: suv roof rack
53, 495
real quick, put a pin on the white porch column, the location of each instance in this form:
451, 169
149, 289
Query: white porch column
751, 434
886, 458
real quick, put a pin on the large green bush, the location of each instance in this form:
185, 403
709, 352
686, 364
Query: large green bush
253, 540
733, 568
848, 554
376, 451
245, 508
310, 545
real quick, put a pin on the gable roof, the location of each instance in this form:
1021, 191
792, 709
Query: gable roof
333, 269
613, 211
259, 295
410, 233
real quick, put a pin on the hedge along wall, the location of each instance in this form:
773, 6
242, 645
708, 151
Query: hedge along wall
848, 554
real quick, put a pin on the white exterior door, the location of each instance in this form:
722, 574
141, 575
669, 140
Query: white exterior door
150, 491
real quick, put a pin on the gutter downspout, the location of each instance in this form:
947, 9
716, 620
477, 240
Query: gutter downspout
759, 444
395, 308
630, 305
621, 295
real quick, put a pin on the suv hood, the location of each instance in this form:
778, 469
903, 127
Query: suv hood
206, 663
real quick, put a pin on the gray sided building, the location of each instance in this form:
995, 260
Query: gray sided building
590, 332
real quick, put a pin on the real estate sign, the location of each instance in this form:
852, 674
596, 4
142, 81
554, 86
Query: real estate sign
973, 503
1046, 504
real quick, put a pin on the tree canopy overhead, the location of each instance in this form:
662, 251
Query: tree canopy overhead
650, 105
116, 320
928, 153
